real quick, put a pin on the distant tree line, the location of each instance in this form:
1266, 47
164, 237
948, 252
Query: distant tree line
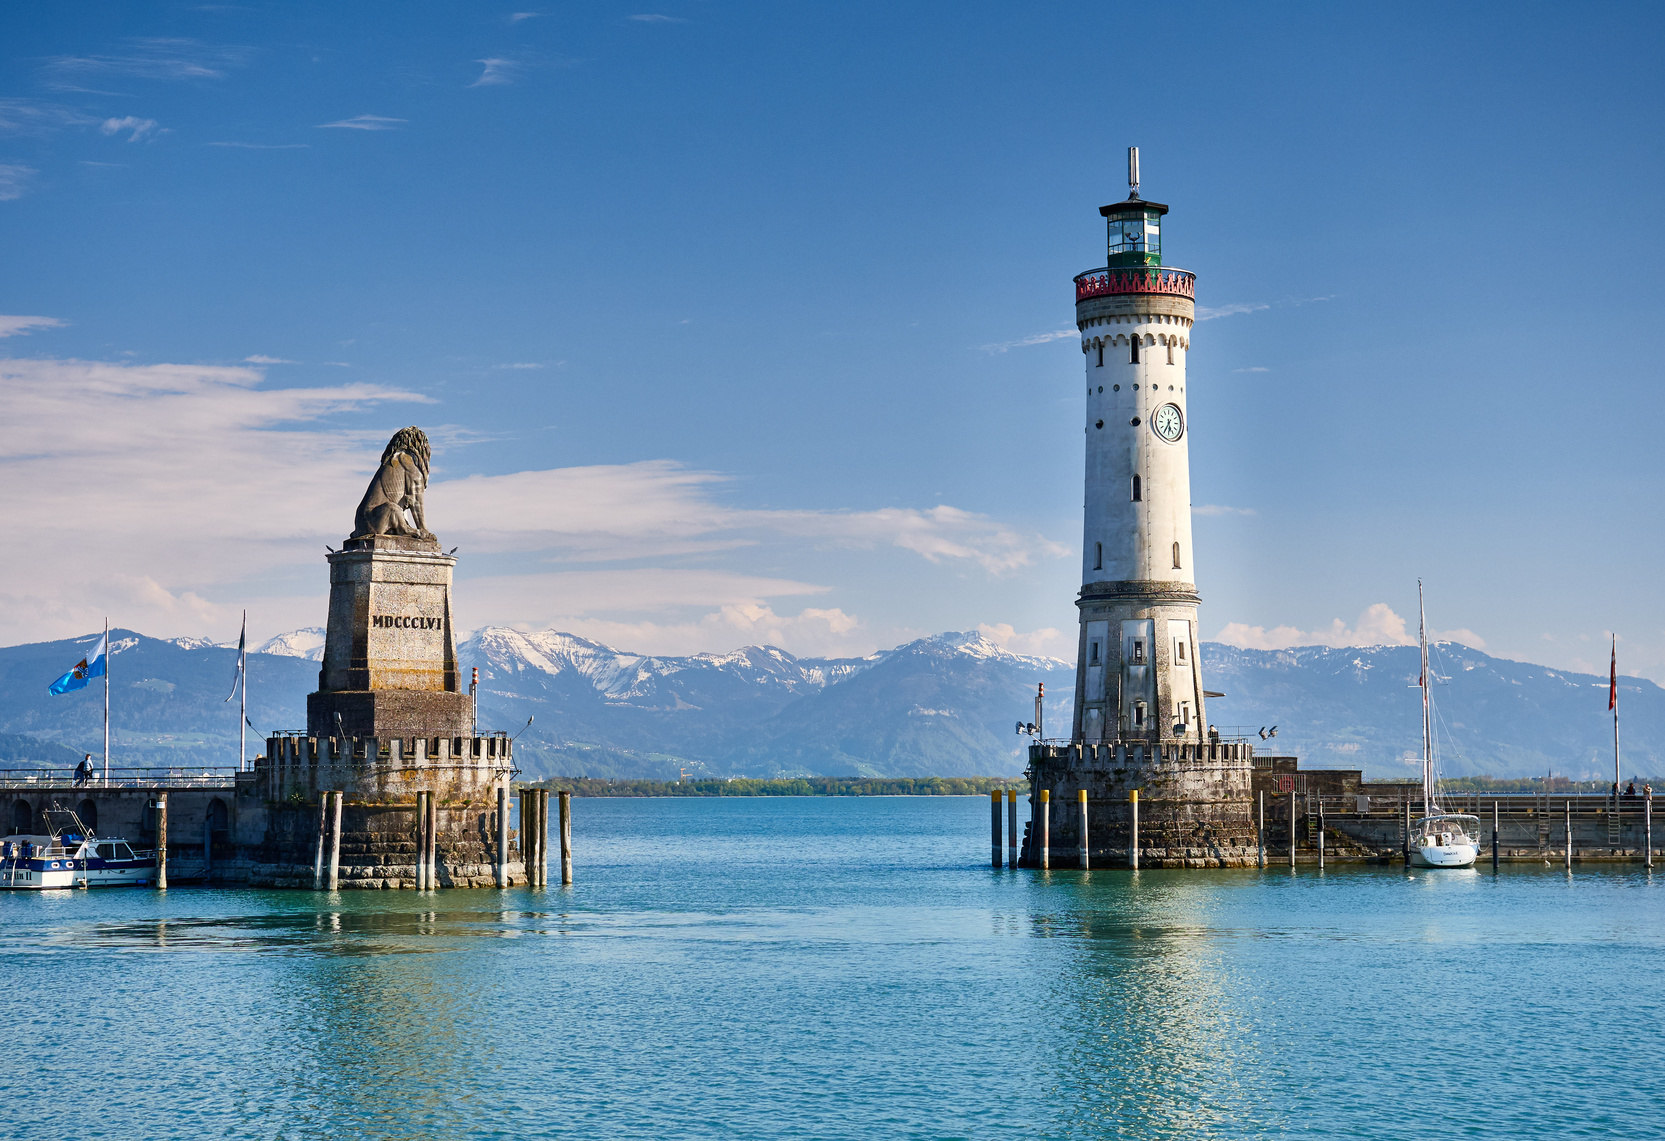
794, 786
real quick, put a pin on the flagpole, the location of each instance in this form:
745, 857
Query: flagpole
106, 701
1615, 722
243, 705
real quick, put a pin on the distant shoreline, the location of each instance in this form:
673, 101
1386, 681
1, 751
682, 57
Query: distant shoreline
795, 786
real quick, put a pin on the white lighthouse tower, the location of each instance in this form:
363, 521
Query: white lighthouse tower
1137, 676
1154, 789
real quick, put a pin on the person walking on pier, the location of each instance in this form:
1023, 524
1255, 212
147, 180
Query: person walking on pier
84, 770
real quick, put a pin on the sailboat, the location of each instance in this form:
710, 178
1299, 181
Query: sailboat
1439, 839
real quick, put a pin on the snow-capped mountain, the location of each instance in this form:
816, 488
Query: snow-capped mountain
307, 642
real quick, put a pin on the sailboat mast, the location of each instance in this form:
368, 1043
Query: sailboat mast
107, 656
1427, 719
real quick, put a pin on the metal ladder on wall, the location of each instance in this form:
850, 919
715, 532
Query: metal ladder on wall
1615, 822
1542, 813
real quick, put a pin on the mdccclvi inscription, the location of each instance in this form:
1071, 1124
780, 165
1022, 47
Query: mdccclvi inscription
404, 622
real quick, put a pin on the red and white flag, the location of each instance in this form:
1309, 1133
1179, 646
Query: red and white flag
1613, 679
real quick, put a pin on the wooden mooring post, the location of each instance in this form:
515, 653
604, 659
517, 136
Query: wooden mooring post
433, 843
1292, 828
1081, 798
1011, 828
1260, 832
994, 827
566, 837
503, 833
1046, 828
1496, 827
1647, 829
318, 854
335, 840
161, 841
421, 857
1133, 831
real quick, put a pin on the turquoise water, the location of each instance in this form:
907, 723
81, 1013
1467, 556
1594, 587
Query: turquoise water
843, 968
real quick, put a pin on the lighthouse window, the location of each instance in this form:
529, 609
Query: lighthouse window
1139, 713
1170, 352
1179, 648
1101, 354
1101, 389
1138, 651
1098, 564
1093, 659
1176, 556
1113, 388
1185, 713
1137, 490
1134, 343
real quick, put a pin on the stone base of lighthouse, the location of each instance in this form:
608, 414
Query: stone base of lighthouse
1196, 809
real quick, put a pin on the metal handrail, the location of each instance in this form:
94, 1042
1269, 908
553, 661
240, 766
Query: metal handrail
124, 777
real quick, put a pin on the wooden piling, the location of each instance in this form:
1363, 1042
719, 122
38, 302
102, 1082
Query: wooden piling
1496, 828
1569, 836
566, 837
433, 841
503, 833
161, 841
420, 835
1011, 828
1320, 833
1647, 829
318, 856
1046, 828
1260, 831
994, 825
1081, 798
1133, 831
1292, 828
335, 840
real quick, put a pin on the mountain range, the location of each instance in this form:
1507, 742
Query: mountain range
940, 706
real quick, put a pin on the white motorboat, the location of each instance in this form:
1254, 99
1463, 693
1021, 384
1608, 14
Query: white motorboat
1439, 839
69, 857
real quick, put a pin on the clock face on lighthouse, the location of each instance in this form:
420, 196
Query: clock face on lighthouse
1168, 422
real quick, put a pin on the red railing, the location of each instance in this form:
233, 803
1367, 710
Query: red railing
1105, 282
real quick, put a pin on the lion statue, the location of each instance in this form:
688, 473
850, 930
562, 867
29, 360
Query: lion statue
397, 488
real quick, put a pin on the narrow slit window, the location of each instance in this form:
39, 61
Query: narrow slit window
1170, 350
1098, 556
1185, 713
1092, 658
1101, 354
1133, 344
1176, 556
1138, 651
1180, 650
1139, 713
1138, 490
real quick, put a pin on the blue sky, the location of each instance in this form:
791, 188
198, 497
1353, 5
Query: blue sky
747, 323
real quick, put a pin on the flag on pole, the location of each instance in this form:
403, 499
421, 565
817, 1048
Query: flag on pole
242, 658
1613, 676
89, 667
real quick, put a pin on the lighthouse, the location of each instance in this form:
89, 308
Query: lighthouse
1140, 730
1137, 673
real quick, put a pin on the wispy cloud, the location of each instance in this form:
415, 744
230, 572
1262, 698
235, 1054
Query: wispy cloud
1254, 368
262, 358
15, 180
14, 326
136, 127
32, 117
262, 146
1037, 339
1204, 313
517, 17
657, 18
522, 364
1377, 625
366, 123
1220, 509
144, 58
497, 73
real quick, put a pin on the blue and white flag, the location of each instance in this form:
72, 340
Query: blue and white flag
91, 666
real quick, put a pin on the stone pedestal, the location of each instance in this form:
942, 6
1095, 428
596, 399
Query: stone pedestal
390, 651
